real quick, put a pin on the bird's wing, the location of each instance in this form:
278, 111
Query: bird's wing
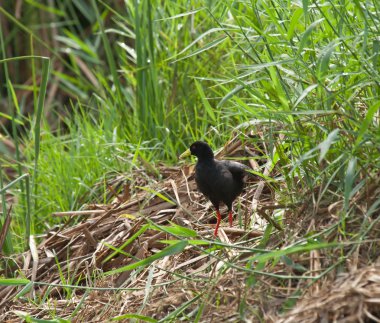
235, 167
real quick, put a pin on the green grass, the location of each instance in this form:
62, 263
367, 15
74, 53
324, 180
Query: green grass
118, 83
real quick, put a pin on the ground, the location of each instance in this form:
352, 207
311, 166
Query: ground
150, 255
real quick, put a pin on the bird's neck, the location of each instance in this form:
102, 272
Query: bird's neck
207, 160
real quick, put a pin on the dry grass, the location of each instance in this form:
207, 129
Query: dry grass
352, 297
218, 283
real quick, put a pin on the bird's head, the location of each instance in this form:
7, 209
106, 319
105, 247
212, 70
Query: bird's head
200, 149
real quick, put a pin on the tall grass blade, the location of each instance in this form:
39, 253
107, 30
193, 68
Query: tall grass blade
110, 59
349, 182
37, 129
366, 123
306, 36
326, 144
13, 281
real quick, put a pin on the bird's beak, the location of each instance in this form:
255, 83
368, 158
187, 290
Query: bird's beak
187, 153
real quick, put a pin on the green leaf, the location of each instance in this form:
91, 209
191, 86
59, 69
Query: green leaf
14, 97
366, 122
25, 290
171, 316
292, 300
325, 145
265, 238
294, 22
190, 242
6, 116
188, 13
206, 104
168, 251
295, 249
158, 194
290, 263
305, 93
30, 319
13, 281
324, 59
177, 230
50, 9
307, 33
305, 7
126, 243
349, 181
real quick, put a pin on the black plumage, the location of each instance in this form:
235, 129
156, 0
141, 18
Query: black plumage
219, 180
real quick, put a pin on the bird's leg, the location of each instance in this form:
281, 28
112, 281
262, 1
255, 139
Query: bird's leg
217, 222
230, 218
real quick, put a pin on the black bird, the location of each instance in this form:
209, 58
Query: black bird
219, 180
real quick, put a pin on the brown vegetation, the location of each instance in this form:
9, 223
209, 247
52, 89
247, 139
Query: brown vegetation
222, 283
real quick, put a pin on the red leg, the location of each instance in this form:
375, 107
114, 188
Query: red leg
217, 223
230, 218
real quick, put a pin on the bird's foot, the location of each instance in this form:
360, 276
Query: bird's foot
219, 217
